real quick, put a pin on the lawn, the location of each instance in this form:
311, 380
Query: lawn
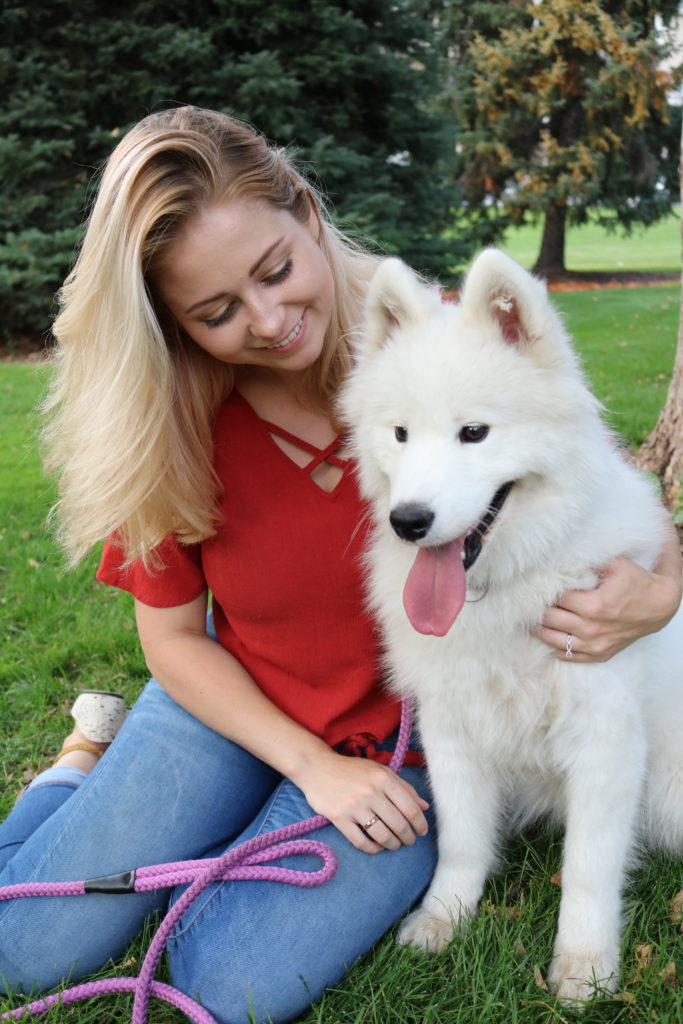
590, 247
63, 631
627, 340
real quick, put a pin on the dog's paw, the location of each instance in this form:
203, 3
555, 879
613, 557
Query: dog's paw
575, 979
425, 931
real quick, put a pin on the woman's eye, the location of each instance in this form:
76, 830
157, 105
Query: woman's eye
401, 434
280, 275
223, 317
229, 311
471, 433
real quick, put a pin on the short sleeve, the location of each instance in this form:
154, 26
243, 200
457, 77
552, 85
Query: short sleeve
178, 581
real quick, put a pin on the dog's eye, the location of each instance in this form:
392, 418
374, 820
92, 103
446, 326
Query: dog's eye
401, 434
471, 433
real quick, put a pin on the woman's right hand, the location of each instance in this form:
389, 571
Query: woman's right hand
353, 792
214, 687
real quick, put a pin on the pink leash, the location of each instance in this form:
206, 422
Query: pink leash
245, 862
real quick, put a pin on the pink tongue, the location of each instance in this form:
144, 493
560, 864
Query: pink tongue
435, 589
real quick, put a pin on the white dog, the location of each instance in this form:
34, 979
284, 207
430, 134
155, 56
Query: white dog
495, 487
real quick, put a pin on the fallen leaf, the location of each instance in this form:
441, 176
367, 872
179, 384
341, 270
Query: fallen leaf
32, 563
539, 979
556, 879
668, 975
677, 908
131, 962
498, 911
624, 997
643, 955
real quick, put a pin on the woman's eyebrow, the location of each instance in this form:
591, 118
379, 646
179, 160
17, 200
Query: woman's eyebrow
204, 302
252, 271
262, 259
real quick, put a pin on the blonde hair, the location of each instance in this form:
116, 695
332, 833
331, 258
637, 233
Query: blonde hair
133, 399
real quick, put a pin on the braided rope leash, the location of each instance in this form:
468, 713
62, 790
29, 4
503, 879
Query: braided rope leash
249, 861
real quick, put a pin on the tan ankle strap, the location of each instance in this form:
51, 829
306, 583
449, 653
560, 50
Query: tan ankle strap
88, 747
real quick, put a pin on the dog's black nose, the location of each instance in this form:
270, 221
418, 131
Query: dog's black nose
411, 521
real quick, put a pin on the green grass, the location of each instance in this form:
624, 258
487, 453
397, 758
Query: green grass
590, 247
61, 632
627, 341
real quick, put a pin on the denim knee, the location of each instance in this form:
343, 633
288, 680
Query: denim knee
271, 949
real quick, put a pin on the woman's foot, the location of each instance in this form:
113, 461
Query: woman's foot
83, 759
98, 716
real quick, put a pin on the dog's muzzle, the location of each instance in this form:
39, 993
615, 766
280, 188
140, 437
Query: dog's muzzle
412, 521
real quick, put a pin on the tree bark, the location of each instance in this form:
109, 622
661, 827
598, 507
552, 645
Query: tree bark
550, 260
662, 451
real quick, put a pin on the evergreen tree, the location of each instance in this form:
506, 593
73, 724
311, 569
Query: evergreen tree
562, 109
349, 84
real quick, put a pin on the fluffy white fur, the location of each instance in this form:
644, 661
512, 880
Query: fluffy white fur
510, 731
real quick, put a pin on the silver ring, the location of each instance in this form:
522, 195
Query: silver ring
369, 824
568, 650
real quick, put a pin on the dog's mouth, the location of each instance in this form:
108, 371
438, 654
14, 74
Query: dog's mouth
474, 539
436, 587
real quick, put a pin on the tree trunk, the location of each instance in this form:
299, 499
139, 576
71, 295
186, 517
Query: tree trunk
550, 260
662, 451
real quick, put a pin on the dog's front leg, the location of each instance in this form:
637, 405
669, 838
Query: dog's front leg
604, 756
466, 801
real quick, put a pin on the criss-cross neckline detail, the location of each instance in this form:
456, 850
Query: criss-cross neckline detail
319, 456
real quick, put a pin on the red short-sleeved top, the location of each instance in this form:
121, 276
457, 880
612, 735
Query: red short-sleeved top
284, 571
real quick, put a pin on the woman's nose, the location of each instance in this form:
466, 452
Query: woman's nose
266, 318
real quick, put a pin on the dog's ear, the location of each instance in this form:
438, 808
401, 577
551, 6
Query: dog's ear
498, 289
396, 298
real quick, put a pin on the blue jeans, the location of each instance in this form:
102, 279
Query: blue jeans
168, 789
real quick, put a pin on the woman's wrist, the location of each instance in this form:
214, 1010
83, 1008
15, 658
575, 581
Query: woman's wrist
667, 578
666, 591
305, 760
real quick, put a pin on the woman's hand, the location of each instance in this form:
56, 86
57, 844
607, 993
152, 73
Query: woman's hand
629, 602
353, 792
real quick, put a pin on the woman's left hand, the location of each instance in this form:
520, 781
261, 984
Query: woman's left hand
628, 602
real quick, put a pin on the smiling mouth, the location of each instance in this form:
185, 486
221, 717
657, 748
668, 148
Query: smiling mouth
292, 336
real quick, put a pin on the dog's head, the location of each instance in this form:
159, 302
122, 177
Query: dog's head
449, 405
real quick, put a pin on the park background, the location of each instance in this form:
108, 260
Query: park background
552, 129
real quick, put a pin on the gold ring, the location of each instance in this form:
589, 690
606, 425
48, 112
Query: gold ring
369, 824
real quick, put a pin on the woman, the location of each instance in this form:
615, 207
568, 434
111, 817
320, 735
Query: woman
204, 333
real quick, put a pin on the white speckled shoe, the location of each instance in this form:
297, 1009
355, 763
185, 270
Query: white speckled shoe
99, 714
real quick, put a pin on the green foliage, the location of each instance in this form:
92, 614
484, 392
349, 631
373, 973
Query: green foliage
32, 266
562, 108
349, 84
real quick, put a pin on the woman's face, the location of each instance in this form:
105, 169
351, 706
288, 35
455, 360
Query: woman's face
249, 283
